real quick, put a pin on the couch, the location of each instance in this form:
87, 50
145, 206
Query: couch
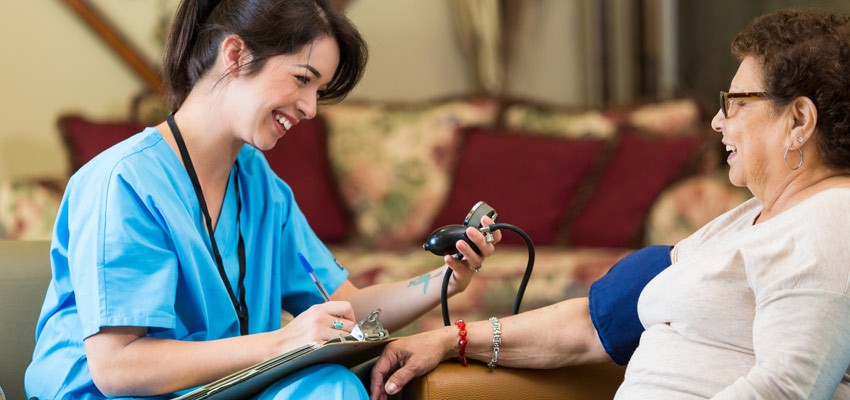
26, 274
374, 179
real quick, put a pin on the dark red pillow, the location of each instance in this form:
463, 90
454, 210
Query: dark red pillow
529, 179
640, 168
300, 158
85, 138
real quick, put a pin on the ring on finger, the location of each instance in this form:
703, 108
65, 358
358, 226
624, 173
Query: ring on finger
476, 269
337, 324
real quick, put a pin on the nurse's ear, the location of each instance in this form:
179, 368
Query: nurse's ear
234, 55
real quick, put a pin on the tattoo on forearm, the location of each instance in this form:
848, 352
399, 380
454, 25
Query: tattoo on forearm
423, 280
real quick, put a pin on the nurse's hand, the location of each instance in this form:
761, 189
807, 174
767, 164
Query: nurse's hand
318, 324
472, 262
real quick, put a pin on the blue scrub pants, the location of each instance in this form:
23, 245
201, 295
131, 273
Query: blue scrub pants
323, 381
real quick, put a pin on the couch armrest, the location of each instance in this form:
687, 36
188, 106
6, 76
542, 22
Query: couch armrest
450, 380
24, 277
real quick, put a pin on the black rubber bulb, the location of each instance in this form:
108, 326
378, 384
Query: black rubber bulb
442, 241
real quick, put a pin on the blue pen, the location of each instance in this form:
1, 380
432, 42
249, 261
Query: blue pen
309, 269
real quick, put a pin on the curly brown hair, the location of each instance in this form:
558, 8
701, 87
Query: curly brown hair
806, 52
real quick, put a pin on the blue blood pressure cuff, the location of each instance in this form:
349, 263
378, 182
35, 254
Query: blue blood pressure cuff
613, 300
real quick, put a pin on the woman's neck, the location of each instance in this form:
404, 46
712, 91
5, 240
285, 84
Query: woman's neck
798, 187
212, 147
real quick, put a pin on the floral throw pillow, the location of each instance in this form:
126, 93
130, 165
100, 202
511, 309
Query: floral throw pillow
573, 124
690, 204
28, 208
669, 118
393, 163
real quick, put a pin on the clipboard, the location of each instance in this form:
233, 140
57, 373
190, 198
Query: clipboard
366, 341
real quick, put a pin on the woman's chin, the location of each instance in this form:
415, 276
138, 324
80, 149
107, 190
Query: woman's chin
736, 180
265, 144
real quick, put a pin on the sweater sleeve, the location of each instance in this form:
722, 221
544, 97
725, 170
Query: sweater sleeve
801, 346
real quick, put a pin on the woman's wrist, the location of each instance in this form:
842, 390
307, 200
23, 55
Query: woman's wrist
449, 338
455, 284
480, 343
268, 345
275, 343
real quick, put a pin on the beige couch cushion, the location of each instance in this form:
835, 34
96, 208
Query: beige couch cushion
24, 276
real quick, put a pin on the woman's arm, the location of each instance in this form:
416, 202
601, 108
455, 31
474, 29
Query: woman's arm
555, 336
403, 301
801, 346
125, 362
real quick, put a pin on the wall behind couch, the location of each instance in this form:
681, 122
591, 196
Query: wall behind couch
55, 64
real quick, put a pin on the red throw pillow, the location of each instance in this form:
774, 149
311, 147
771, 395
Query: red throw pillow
85, 138
529, 179
300, 158
639, 170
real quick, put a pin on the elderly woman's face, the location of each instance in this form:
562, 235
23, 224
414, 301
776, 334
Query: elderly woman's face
751, 131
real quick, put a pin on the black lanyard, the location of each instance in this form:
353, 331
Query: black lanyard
239, 305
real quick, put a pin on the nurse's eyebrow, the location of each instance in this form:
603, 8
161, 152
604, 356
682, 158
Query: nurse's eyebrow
311, 69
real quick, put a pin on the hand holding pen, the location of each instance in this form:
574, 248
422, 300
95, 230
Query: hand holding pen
345, 321
309, 269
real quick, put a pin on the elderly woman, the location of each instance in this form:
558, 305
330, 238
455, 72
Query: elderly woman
755, 303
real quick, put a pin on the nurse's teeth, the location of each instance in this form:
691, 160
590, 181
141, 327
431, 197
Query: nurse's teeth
283, 121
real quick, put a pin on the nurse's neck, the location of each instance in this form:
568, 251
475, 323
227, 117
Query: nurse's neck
212, 149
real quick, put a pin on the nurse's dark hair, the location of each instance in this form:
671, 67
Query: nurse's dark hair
269, 28
806, 52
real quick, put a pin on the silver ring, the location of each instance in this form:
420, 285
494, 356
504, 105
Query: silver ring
476, 269
337, 324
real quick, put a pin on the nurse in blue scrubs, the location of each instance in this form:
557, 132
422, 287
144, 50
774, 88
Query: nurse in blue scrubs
175, 251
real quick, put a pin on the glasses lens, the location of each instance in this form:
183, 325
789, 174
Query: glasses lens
723, 104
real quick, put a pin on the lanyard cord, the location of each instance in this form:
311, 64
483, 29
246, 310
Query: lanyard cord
239, 305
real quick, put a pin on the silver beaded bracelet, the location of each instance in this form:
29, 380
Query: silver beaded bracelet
497, 341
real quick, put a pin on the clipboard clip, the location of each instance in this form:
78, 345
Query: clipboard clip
369, 328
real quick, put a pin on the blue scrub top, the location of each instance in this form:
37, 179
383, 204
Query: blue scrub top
130, 248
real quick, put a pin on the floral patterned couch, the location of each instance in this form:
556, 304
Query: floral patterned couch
588, 186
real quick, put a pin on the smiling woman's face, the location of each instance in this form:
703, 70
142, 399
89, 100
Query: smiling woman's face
283, 92
752, 131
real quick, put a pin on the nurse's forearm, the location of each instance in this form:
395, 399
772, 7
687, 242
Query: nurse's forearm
123, 362
400, 302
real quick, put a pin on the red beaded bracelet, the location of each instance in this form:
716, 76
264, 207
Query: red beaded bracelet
461, 333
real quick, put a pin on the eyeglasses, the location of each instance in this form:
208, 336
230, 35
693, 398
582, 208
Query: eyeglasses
741, 96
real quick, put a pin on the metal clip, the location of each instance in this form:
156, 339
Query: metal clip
488, 236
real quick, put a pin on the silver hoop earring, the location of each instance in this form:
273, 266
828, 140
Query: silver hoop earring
785, 158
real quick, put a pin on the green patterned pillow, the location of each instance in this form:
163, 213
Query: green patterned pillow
558, 122
393, 163
668, 118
